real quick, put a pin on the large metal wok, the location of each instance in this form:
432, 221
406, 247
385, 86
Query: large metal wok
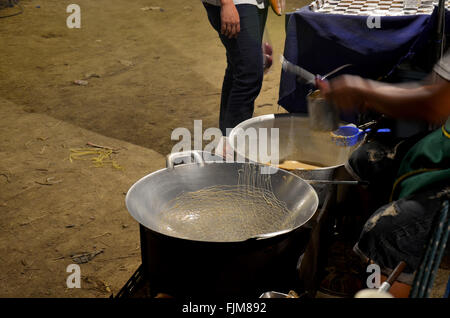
297, 141
181, 266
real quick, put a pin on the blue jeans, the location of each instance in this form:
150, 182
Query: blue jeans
244, 73
399, 230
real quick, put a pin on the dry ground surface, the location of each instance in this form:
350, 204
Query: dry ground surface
153, 71
148, 72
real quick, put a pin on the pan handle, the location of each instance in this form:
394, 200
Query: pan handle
170, 159
393, 277
349, 182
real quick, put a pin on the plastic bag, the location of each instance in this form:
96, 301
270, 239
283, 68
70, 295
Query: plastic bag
278, 6
267, 51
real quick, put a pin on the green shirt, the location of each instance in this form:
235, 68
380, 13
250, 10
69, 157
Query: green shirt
427, 163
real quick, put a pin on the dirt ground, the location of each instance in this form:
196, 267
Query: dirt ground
148, 72
158, 70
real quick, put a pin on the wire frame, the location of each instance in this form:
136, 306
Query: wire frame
424, 279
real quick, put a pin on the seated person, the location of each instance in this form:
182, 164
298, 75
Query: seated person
414, 173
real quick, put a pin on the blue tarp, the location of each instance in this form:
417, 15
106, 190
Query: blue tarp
321, 42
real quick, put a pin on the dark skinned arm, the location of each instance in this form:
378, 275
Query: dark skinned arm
426, 102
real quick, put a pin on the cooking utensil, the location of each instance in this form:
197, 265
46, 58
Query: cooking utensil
297, 141
274, 294
337, 69
323, 115
383, 290
392, 277
349, 182
304, 75
350, 135
181, 266
148, 196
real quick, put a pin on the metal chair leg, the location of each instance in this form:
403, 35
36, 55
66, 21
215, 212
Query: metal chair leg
423, 282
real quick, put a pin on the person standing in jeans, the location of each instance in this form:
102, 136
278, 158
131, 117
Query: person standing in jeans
240, 25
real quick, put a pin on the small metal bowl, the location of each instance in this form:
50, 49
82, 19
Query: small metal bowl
323, 115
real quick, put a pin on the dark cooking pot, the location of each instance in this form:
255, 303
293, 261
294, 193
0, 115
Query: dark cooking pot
182, 266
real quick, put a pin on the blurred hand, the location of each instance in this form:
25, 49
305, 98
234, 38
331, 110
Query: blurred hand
423, 102
230, 20
346, 92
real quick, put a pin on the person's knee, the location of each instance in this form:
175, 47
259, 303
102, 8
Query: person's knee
399, 231
250, 78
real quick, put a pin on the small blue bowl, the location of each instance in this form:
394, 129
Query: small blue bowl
347, 136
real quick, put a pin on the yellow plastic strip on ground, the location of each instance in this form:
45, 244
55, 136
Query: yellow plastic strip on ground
99, 157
